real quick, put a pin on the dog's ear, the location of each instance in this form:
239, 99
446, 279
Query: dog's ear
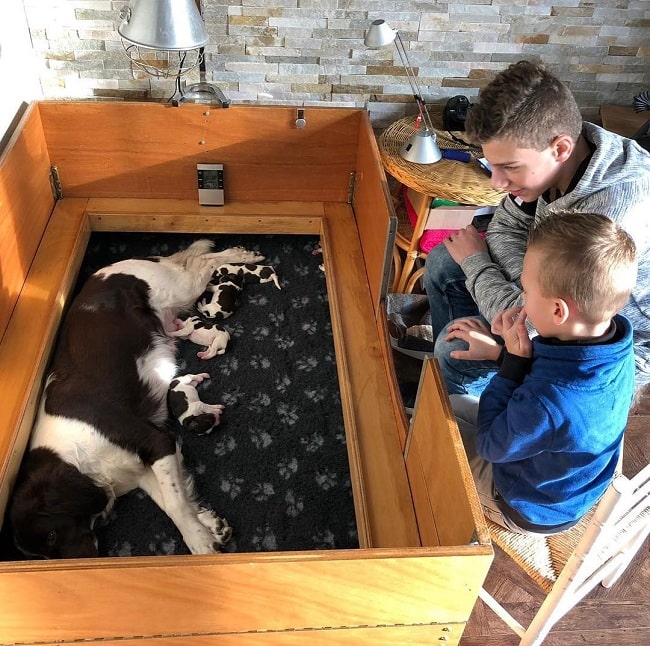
75, 495
176, 401
55, 487
200, 424
52, 508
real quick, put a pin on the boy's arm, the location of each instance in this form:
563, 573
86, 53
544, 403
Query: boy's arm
493, 278
512, 432
512, 423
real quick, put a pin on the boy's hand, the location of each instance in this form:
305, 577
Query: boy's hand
482, 345
464, 243
511, 325
504, 318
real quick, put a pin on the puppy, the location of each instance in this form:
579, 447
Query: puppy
220, 300
204, 333
221, 297
248, 272
185, 404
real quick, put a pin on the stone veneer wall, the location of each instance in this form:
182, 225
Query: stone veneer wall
311, 52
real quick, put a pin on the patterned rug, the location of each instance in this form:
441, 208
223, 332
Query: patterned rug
276, 467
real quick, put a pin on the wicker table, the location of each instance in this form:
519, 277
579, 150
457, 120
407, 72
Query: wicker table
449, 180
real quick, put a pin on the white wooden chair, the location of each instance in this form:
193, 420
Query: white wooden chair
611, 536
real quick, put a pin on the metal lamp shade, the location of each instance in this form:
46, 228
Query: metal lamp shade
379, 34
421, 148
173, 25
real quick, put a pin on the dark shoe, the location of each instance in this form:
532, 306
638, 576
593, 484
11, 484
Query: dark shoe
409, 323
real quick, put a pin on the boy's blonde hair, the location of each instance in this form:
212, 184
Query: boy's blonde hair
527, 104
587, 258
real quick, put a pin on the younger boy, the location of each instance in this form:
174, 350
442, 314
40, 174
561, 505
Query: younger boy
545, 437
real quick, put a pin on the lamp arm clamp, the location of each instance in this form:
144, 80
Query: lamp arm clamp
413, 82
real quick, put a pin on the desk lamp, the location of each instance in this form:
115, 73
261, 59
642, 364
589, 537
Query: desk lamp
421, 147
165, 39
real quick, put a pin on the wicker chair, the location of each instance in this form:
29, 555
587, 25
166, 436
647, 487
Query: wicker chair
571, 564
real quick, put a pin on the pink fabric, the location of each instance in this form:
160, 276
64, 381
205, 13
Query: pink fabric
430, 237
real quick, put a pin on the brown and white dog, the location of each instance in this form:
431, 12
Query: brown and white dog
206, 333
220, 299
248, 273
186, 405
221, 296
99, 432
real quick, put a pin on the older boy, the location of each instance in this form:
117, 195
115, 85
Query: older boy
545, 437
547, 160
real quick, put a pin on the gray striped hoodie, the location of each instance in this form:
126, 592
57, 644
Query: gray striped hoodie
615, 183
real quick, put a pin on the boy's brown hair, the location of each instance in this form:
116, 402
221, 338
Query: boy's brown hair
587, 258
526, 103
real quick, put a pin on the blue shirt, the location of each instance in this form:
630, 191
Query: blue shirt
554, 438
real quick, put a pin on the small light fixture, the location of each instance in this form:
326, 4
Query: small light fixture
421, 147
166, 39
163, 37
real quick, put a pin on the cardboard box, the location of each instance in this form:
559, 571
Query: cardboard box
454, 217
424, 544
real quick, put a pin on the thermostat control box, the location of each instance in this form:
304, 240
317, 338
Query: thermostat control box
210, 182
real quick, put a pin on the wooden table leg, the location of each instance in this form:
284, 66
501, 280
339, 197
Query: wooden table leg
421, 204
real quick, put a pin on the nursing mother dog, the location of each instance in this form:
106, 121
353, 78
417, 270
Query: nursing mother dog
99, 431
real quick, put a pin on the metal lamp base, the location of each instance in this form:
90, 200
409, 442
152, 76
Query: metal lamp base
204, 93
421, 148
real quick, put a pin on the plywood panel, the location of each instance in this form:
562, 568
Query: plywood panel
449, 633
438, 466
26, 202
187, 216
151, 150
237, 593
376, 221
26, 346
366, 391
395, 394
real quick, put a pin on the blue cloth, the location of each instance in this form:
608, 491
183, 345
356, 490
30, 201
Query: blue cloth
444, 283
462, 376
554, 438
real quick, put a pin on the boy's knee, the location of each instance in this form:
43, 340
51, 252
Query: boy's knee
441, 269
451, 369
443, 348
461, 376
437, 263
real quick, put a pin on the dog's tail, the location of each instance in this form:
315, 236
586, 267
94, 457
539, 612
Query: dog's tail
197, 248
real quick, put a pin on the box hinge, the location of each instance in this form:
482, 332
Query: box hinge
55, 183
351, 182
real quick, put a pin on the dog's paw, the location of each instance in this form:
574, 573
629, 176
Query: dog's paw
215, 409
211, 351
192, 380
218, 526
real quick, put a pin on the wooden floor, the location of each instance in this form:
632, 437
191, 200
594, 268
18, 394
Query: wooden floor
620, 615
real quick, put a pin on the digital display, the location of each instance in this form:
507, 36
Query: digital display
211, 179
211, 184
